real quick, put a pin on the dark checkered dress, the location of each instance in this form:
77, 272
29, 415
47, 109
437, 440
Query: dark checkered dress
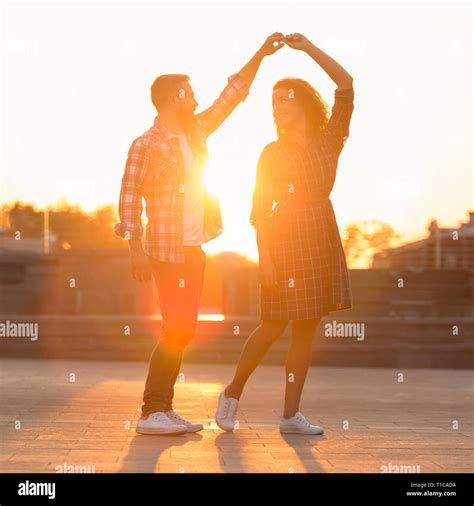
292, 191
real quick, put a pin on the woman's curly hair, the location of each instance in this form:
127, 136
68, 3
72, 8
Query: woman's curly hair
316, 110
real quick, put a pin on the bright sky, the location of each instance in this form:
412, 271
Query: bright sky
75, 93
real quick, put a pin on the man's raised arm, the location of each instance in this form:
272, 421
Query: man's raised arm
238, 86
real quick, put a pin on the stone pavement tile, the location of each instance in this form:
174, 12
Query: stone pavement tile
23, 434
215, 464
339, 429
236, 436
375, 452
52, 445
359, 468
39, 456
98, 425
114, 417
18, 441
453, 460
82, 420
451, 435
135, 467
370, 466
249, 457
66, 426
327, 447
460, 452
23, 467
135, 439
121, 436
205, 456
467, 434
314, 464
420, 445
80, 436
322, 466
125, 430
84, 444
90, 456
297, 457
394, 436
247, 450
253, 469
48, 434
207, 469
381, 456
229, 448
78, 444
293, 439
11, 444
4, 456
458, 469
291, 449
394, 451
145, 456
155, 442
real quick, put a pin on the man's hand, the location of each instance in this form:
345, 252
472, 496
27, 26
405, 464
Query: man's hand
268, 277
297, 41
272, 44
141, 268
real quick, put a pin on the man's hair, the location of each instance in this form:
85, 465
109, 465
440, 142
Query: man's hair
165, 88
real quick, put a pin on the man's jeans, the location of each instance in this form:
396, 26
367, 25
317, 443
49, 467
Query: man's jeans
179, 289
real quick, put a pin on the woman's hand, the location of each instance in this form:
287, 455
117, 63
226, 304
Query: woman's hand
268, 278
272, 44
297, 41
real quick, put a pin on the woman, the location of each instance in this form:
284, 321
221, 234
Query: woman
303, 272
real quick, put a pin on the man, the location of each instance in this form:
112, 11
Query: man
164, 167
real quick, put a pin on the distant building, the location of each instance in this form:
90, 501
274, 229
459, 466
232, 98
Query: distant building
444, 249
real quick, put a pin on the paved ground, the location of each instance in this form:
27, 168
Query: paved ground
373, 421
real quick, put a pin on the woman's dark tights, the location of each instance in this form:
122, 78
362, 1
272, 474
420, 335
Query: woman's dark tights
297, 361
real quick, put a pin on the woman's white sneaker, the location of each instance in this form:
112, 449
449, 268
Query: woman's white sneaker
159, 423
190, 427
225, 413
299, 425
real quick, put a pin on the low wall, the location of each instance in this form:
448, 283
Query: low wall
377, 342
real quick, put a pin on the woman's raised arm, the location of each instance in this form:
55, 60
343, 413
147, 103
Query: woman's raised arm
335, 71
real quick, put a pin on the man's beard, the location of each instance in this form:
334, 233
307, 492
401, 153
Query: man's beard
188, 121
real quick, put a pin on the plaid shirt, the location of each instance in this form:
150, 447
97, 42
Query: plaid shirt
155, 172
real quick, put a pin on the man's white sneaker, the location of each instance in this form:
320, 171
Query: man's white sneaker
298, 425
225, 413
190, 427
159, 423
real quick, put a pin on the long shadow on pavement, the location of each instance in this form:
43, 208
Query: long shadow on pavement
145, 450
